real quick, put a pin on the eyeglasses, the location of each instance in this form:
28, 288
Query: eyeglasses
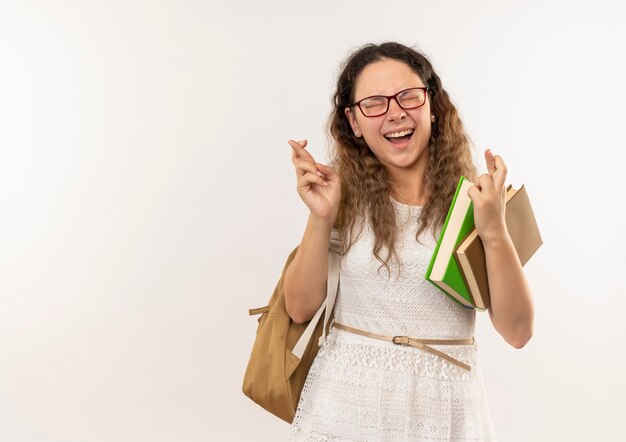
378, 105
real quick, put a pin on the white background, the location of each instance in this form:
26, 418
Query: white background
148, 200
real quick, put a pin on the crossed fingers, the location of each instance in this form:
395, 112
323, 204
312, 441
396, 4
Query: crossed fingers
302, 159
496, 169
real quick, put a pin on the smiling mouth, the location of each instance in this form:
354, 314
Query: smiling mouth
400, 137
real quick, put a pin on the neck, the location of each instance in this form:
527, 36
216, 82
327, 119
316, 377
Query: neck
408, 185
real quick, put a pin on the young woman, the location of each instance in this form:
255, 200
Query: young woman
399, 150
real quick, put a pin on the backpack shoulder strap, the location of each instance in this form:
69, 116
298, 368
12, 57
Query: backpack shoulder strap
332, 285
334, 267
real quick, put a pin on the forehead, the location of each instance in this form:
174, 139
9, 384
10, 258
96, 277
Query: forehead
385, 77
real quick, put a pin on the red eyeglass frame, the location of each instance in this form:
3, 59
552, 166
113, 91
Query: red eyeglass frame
426, 89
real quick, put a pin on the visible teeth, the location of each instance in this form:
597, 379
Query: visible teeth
399, 134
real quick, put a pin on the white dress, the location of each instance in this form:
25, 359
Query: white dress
365, 389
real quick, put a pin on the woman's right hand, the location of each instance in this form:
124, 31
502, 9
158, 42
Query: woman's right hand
318, 185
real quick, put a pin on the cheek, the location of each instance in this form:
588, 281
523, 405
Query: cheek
370, 126
421, 116
371, 135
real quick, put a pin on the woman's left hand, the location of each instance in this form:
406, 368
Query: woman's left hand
489, 196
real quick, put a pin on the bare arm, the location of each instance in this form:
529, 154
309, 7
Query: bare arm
305, 278
511, 311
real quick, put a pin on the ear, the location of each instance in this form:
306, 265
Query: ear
351, 119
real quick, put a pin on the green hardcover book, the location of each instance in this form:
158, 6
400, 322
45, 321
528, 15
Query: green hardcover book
444, 271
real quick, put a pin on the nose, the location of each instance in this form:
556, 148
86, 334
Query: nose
395, 112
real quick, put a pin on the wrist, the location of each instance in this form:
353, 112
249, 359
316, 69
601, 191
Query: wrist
326, 224
496, 238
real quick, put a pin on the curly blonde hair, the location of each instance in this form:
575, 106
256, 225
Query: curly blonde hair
365, 183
